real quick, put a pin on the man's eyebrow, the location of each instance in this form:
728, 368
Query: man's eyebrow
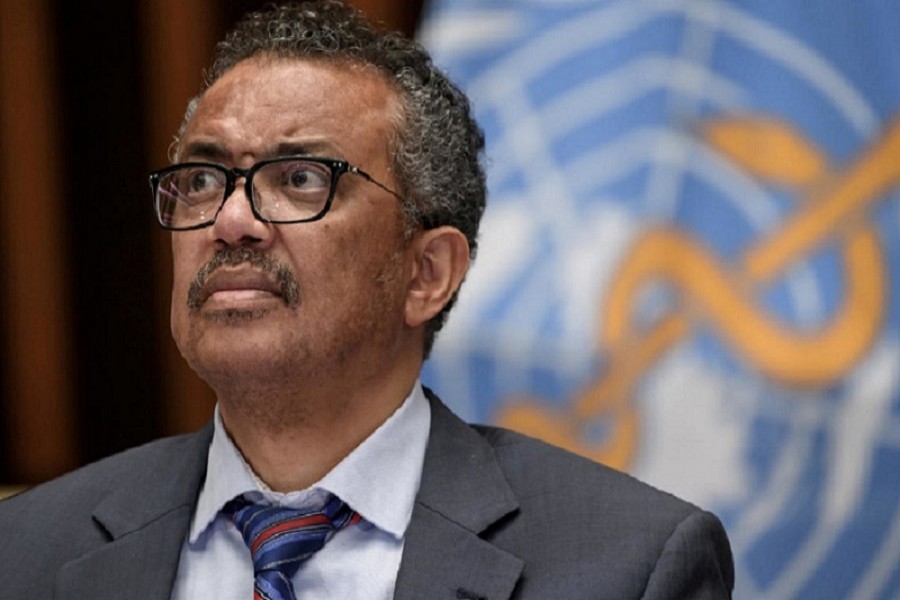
203, 150
211, 151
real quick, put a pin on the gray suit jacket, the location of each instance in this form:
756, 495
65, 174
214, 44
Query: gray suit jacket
498, 516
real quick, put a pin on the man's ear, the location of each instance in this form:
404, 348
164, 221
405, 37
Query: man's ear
441, 260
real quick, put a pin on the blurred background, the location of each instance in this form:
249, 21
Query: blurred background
688, 268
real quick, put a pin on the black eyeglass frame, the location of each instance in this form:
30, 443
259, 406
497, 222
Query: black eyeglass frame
337, 167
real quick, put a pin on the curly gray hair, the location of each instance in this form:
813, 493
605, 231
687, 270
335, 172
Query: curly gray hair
437, 146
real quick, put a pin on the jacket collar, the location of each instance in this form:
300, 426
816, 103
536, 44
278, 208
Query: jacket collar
146, 519
463, 493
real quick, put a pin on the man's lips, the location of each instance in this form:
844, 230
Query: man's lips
233, 286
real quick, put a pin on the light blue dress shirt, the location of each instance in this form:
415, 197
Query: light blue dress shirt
379, 480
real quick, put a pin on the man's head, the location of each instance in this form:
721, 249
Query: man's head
380, 263
435, 143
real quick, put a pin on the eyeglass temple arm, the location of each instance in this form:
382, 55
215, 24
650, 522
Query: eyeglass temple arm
370, 179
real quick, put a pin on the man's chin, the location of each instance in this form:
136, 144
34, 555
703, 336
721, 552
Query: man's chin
234, 363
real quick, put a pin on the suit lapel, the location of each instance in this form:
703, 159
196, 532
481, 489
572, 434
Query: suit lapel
146, 519
462, 494
141, 564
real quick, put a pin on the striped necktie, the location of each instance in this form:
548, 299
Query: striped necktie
281, 539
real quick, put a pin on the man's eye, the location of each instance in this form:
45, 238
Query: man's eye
202, 181
306, 177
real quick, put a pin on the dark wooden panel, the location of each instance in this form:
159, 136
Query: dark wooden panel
106, 208
393, 14
38, 395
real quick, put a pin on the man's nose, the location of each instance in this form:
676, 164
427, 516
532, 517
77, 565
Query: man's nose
236, 225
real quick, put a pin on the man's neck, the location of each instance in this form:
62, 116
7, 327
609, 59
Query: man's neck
293, 438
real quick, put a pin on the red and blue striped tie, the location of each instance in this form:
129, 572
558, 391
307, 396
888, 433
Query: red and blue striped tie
281, 539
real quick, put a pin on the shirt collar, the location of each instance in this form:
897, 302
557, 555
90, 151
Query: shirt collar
379, 479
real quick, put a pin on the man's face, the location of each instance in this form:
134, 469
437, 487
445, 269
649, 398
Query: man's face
303, 301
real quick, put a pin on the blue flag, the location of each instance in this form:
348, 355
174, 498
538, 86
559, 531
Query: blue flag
689, 266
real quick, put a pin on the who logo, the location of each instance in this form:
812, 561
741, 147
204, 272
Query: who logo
690, 260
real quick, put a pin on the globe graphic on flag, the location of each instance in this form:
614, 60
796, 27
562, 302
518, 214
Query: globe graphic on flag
617, 129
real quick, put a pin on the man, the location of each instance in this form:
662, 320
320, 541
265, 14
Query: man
324, 200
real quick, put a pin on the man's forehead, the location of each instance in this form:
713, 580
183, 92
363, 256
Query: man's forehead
291, 106
318, 84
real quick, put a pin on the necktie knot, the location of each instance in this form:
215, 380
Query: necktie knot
280, 539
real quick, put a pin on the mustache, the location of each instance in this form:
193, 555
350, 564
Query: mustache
288, 286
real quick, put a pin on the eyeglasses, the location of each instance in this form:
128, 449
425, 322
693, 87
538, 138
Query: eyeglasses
290, 189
